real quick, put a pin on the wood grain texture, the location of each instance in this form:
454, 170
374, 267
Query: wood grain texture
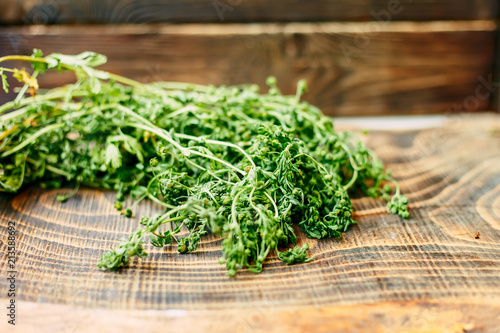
168, 11
458, 316
406, 67
432, 264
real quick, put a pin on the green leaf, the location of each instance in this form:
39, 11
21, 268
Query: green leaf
37, 53
130, 144
5, 84
295, 255
113, 156
85, 59
165, 239
82, 64
39, 66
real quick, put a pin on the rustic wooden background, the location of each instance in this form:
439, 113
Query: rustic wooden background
360, 57
161, 11
438, 271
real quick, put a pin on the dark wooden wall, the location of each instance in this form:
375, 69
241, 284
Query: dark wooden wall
196, 11
360, 57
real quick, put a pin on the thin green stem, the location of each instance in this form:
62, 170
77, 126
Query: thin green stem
52, 169
114, 77
54, 94
23, 90
182, 86
31, 139
351, 158
276, 212
194, 152
5, 69
234, 217
353, 180
216, 142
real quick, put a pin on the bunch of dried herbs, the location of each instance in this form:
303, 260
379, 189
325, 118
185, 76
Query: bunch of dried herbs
225, 160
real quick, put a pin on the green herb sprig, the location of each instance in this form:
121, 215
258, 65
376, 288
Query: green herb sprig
225, 160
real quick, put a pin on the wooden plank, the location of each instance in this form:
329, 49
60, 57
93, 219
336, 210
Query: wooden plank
411, 316
431, 270
402, 68
156, 11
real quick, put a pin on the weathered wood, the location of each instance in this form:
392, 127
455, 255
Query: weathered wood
405, 317
431, 67
156, 11
451, 175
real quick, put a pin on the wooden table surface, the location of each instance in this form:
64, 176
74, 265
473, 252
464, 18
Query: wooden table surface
438, 271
